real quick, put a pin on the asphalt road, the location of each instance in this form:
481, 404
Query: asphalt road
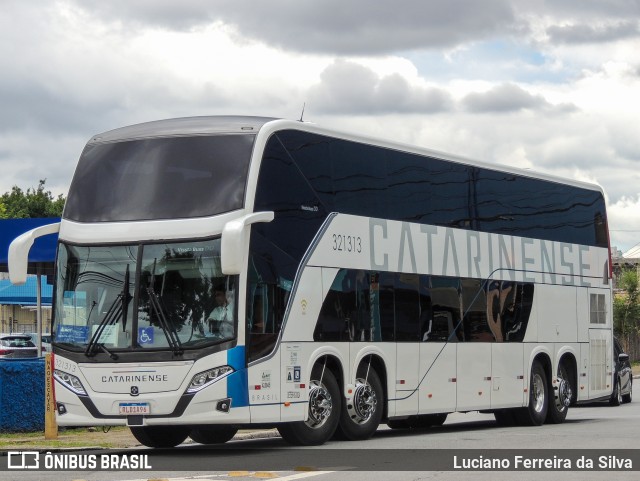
597, 433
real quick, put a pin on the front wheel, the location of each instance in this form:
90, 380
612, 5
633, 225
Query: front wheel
626, 398
160, 436
213, 434
361, 415
536, 412
324, 411
616, 397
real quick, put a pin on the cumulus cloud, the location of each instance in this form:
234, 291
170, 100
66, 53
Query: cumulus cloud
509, 98
546, 85
351, 88
359, 27
593, 34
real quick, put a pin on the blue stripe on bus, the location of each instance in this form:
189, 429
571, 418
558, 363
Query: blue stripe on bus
238, 382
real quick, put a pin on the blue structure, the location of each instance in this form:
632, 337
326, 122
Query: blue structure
21, 395
43, 252
22, 380
25, 295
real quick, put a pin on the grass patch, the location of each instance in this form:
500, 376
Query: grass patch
116, 437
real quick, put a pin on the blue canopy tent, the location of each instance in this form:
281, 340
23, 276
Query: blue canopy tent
41, 262
25, 295
43, 253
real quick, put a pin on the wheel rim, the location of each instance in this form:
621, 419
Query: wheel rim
538, 393
320, 405
565, 393
364, 402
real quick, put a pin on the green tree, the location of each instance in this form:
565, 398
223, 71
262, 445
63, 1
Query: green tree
38, 202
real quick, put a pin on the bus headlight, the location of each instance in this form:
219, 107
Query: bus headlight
208, 377
69, 381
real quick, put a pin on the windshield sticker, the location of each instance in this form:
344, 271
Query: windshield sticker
72, 334
108, 336
145, 335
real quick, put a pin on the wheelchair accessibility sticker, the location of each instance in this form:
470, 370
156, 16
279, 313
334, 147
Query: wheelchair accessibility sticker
145, 335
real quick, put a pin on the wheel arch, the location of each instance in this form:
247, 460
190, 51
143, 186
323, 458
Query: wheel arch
568, 359
377, 363
334, 363
544, 358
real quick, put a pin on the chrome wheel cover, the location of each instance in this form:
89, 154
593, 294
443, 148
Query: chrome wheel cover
364, 402
564, 393
320, 405
538, 392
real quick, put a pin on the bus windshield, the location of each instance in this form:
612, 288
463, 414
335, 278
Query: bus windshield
160, 178
168, 296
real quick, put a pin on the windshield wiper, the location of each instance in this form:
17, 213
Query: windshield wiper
169, 330
111, 317
117, 310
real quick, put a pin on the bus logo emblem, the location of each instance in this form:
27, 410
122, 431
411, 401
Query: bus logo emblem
134, 390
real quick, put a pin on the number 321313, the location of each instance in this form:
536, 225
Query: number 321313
347, 243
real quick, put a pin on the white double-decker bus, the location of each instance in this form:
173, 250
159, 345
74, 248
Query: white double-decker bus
222, 272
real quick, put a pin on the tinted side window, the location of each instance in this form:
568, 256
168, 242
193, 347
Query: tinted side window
312, 155
511, 204
407, 307
428, 190
359, 179
386, 302
508, 309
476, 328
270, 279
447, 303
282, 188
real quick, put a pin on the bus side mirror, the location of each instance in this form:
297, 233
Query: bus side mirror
19, 251
234, 241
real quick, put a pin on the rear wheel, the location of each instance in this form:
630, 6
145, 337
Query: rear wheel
213, 434
562, 396
361, 414
324, 411
160, 436
536, 412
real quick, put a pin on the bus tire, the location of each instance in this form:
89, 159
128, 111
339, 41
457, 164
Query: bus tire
361, 415
324, 411
160, 436
213, 434
536, 412
626, 398
616, 398
561, 396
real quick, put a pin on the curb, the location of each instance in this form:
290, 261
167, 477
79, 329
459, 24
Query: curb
240, 436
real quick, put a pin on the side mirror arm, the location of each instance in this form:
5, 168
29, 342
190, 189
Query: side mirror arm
19, 251
234, 241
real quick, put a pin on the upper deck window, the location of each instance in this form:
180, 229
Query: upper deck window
160, 178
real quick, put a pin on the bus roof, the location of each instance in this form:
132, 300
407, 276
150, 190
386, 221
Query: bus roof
186, 126
279, 124
208, 125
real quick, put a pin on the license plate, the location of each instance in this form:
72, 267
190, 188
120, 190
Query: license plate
134, 408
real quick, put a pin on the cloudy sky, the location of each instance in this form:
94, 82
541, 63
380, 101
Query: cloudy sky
552, 86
